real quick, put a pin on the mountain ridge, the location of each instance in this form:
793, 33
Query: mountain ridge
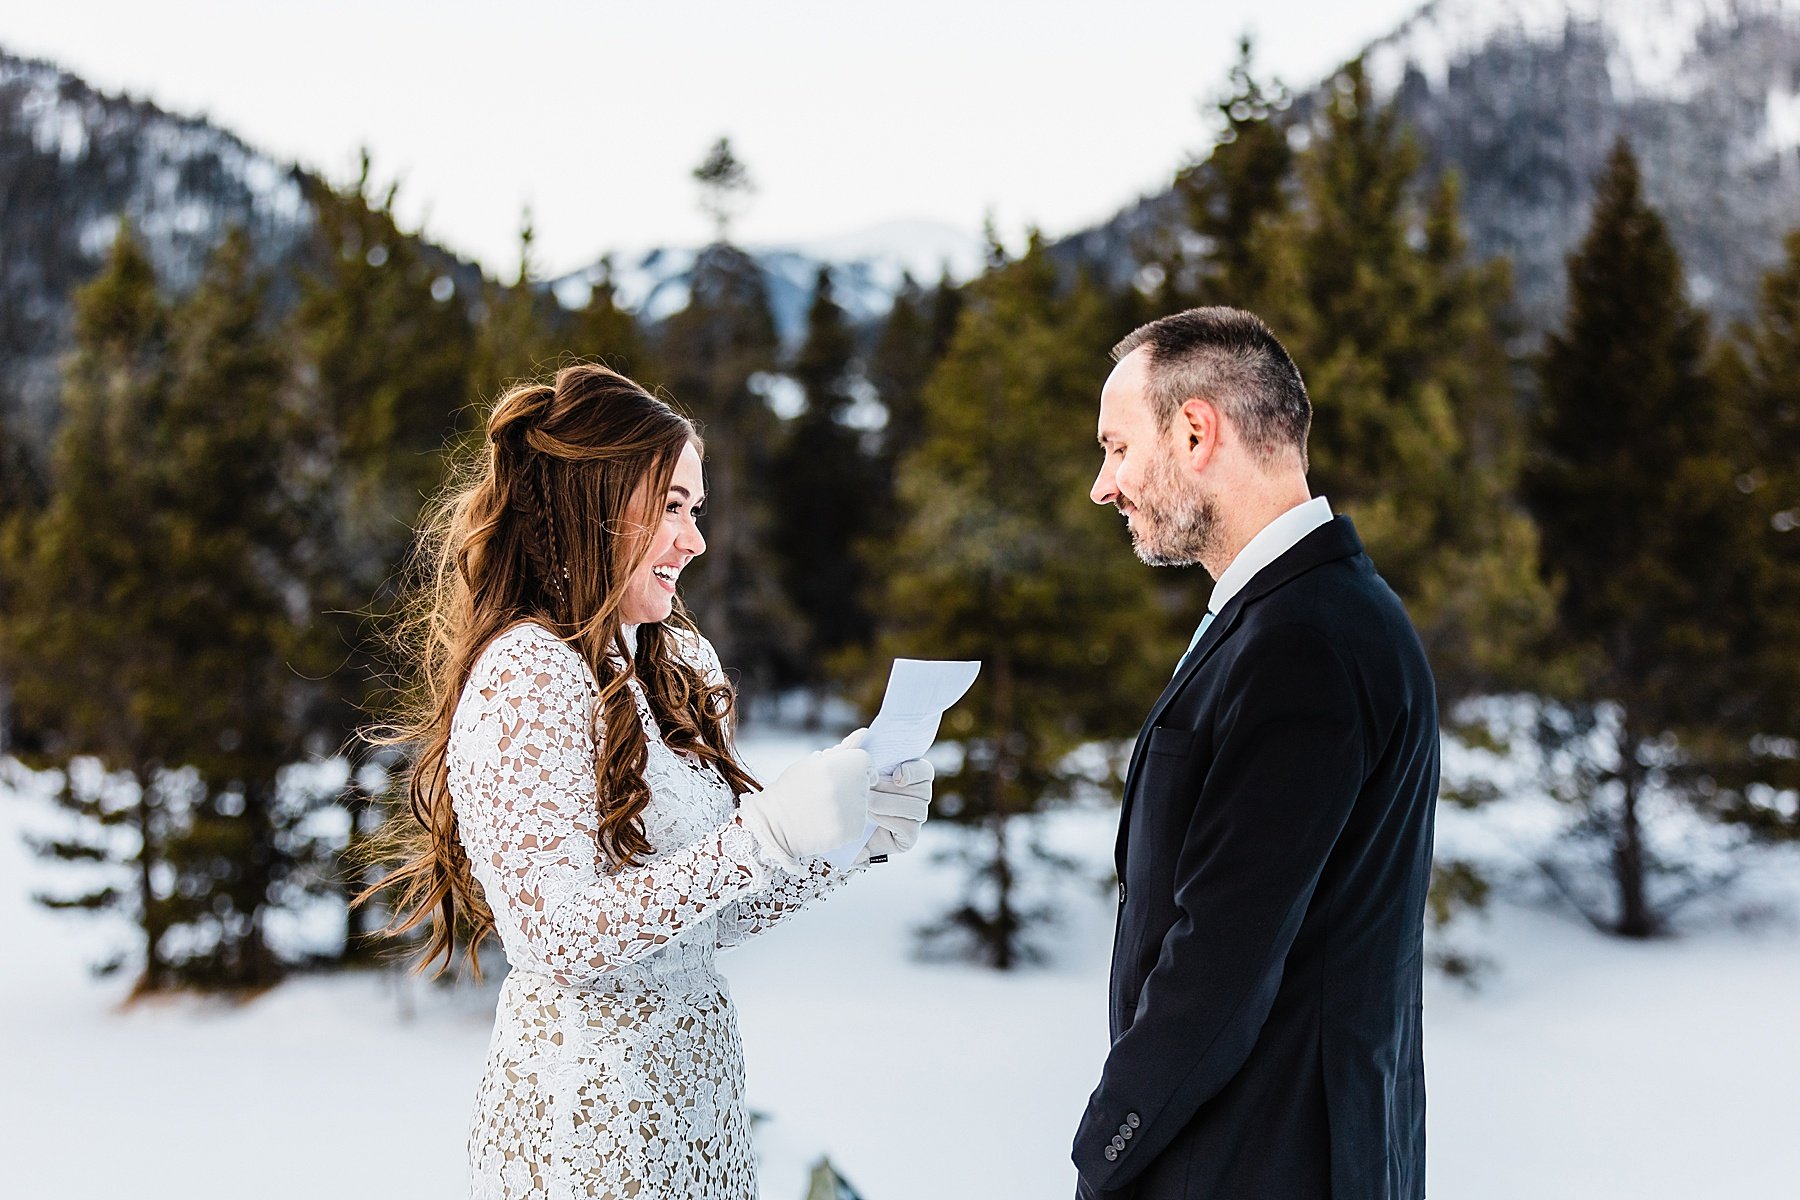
1522, 98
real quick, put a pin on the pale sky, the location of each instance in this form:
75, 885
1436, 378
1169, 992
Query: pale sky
1046, 112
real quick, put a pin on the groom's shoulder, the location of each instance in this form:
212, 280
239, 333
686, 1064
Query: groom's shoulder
1347, 602
1327, 595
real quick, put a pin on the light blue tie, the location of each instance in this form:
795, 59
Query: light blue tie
1198, 634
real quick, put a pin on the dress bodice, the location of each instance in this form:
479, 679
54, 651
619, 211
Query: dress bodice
522, 778
615, 1068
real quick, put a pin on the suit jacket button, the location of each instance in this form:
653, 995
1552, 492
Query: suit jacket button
1112, 1154
1131, 1119
1121, 891
1118, 1142
1125, 1132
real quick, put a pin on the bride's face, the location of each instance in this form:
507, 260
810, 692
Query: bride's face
675, 541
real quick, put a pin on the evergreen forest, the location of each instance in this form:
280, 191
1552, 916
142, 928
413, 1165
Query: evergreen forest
1596, 531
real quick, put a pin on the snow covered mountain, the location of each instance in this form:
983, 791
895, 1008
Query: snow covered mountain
74, 163
1651, 47
1525, 98
867, 268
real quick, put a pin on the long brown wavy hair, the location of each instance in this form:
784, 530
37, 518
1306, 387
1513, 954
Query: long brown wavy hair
546, 523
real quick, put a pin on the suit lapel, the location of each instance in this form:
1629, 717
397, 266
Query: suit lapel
1190, 666
1329, 542
1196, 658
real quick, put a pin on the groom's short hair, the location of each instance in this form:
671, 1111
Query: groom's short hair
1230, 357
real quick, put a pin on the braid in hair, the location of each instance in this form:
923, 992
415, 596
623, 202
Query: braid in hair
540, 539
529, 495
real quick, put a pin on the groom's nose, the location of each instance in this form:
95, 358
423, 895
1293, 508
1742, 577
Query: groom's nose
1106, 486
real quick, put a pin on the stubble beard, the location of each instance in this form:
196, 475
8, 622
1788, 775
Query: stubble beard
1172, 529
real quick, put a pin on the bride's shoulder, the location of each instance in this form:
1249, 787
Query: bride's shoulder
697, 652
529, 654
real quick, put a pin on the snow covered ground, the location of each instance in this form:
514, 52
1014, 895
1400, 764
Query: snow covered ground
1582, 1067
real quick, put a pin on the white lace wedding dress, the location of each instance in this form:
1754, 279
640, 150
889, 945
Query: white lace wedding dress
615, 1068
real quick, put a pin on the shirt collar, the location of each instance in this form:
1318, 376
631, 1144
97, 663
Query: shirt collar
1270, 543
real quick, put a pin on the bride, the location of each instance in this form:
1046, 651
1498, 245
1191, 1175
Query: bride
579, 796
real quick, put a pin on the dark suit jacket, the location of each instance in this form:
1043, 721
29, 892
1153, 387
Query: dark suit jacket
1274, 853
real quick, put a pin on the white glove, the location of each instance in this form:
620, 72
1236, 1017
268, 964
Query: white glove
819, 802
898, 804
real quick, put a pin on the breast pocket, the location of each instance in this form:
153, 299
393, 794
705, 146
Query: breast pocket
1167, 783
1169, 767
1166, 741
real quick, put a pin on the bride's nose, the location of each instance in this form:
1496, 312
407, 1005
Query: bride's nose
690, 540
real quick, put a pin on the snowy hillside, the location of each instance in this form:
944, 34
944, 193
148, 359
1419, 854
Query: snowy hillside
74, 162
1583, 1068
1654, 48
183, 177
1524, 99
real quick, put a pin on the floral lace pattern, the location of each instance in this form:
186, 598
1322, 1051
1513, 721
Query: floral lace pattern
615, 1068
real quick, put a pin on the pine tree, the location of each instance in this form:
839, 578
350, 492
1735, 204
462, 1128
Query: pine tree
605, 332
914, 337
1770, 455
80, 646
229, 524
1241, 186
523, 332
1416, 428
822, 491
1003, 558
384, 351
1751, 778
152, 626
725, 185
23, 493
22, 485
719, 356
720, 352
1634, 486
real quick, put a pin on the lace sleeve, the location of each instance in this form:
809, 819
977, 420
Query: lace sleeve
746, 918
526, 769
785, 893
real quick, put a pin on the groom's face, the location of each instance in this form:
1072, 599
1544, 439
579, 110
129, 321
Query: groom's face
1146, 473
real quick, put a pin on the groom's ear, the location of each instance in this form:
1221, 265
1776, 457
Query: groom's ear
1197, 423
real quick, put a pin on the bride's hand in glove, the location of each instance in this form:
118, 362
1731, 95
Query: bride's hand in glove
819, 803
898, 804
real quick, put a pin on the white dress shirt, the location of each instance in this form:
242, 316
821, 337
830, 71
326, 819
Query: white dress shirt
1271, 542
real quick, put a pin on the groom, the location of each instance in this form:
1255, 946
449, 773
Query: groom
1275, 842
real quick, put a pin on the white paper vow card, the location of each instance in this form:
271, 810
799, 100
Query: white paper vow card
919, 692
